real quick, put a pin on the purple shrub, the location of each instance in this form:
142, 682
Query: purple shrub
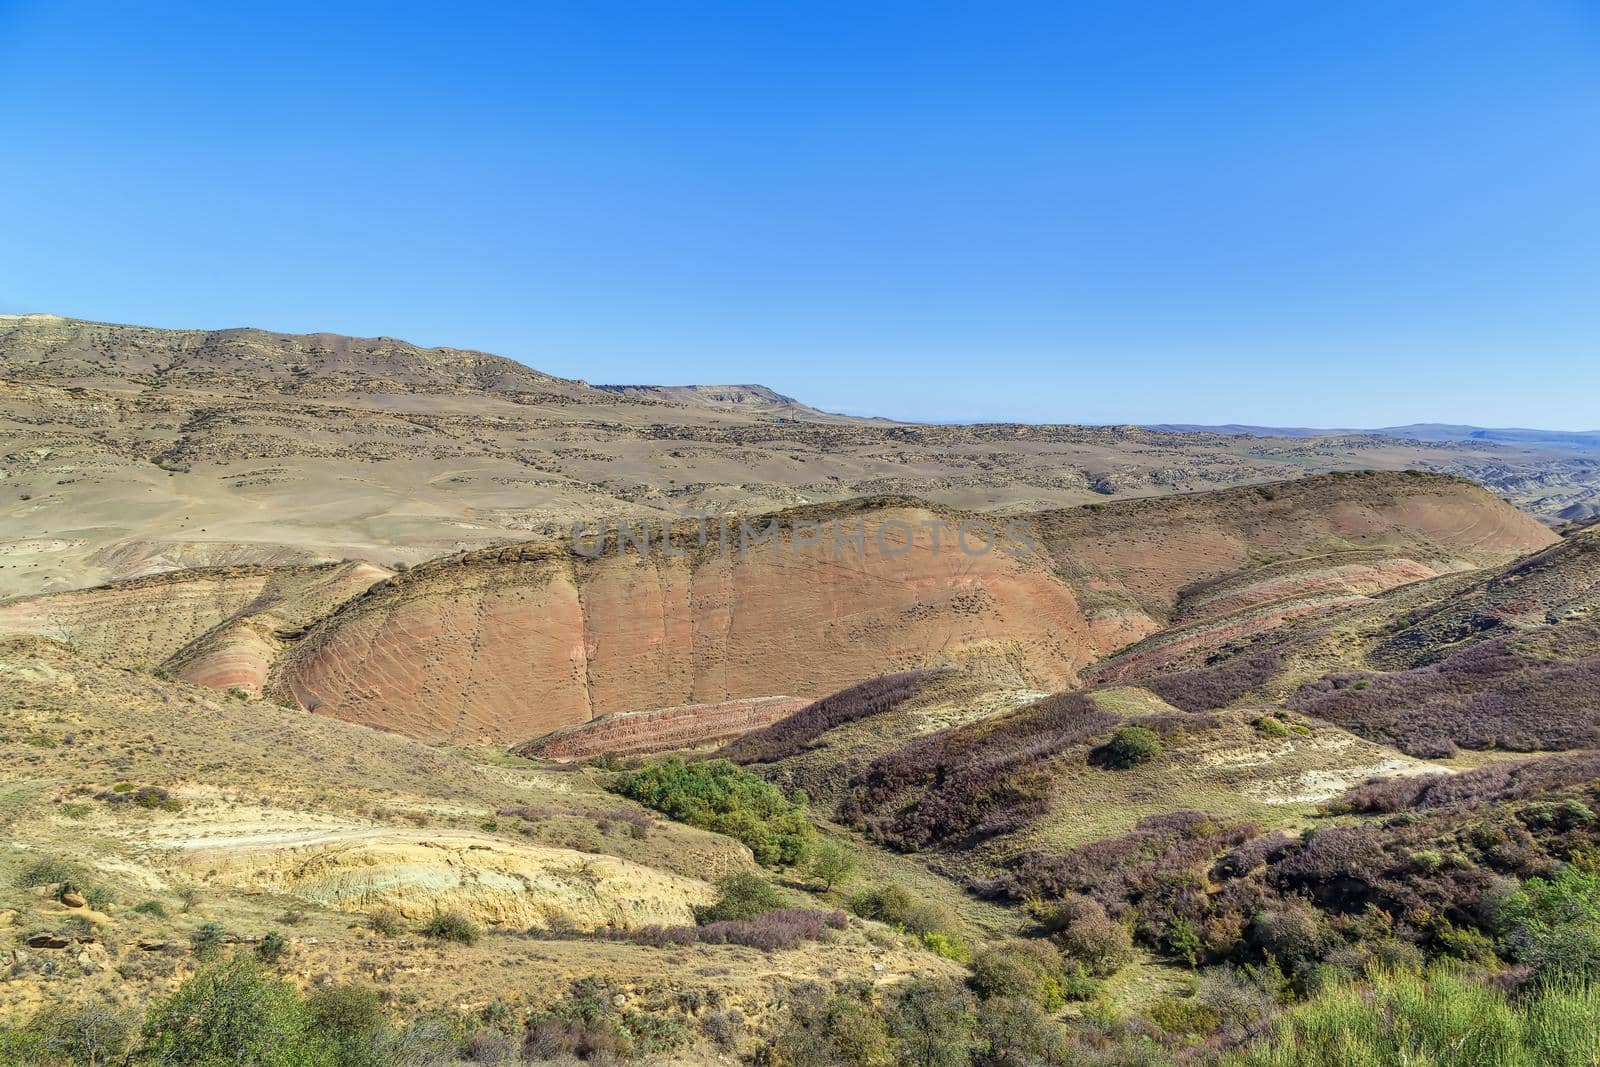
1485, 785
1488, 696
1215, 686
774, 930
1154, 876
979, 780
796, 733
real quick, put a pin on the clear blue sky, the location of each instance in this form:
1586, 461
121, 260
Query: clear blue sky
1306, 214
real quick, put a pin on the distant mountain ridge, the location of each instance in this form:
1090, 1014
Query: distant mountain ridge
744, 397
1566, 440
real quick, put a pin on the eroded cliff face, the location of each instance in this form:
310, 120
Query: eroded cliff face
510, 644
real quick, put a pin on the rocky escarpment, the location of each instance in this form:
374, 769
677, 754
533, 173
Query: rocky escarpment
218, 626
512, 643
661, 729
140, 622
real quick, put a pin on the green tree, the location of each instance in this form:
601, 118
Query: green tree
831, 864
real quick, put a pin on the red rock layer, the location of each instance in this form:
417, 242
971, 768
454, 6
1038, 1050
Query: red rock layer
507, 645
661, 729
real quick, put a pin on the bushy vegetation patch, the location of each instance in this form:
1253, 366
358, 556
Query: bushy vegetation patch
975, 781
1033, 969
1491, 695
1483, 785
1338, 900
1553, 925
590, 1025
1217, 686
451, 925
1443, 1017
233, 1012
796, 733
1129, 746
898, 906
716, 795
741, 896
69, 1033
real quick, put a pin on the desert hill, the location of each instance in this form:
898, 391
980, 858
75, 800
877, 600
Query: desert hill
1264, 726
742, 397
1164, 724
509, 643
130, 450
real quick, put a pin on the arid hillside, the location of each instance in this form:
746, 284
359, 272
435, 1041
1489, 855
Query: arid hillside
130, 450
1167, 762
507, 644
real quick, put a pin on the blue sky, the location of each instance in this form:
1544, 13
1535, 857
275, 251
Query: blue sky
1295, 214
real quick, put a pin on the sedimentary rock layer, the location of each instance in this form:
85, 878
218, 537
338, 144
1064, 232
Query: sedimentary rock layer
659, 729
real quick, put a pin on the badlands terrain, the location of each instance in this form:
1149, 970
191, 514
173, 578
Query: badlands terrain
312, 704
129, 450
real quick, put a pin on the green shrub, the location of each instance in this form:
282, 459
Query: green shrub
896, 905
715, 795
931, 1023
272, 947
75, 810
207, 939
741, 896
944, 945
451, 925
98, 897
90, 1033
233, 1013
1131, 746
151, 907
1017, 968
1189, 1016
350, 1018
1554, 924
1088, 935
933, 924
1015, 1030
1267, 726
154, 797
827, 1030
46, 870
1442, 1018
386, 920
